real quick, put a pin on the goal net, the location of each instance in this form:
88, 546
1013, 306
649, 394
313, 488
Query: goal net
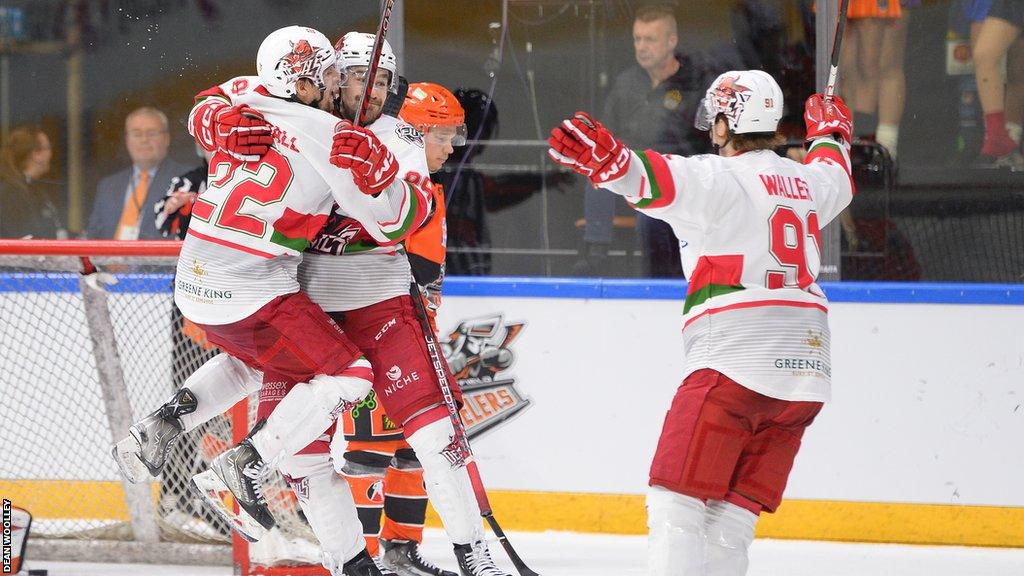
91, 342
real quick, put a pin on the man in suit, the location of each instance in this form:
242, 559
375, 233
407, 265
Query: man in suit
122, 209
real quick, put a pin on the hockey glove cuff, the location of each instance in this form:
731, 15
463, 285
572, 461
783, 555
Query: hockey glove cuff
582, 144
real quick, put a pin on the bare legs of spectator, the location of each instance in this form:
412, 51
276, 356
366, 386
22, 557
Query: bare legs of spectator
892, 87
1014, 99
875, 82
862, 50
1014, 107
994, 41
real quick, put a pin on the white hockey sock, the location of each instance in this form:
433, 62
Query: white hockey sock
888, 135
1015, 131
675, 542
730, 530
326, 500
449, 489
218, 385
307, 410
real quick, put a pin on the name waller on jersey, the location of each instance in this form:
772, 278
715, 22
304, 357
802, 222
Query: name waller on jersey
786, 186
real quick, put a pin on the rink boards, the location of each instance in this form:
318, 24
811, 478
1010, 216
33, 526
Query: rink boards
920, 443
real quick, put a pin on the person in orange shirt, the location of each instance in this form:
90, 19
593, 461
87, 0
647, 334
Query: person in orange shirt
380, 466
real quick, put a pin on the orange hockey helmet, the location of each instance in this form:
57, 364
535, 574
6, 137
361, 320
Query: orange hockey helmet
427, 105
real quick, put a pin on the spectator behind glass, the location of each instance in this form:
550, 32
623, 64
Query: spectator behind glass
465, 213
28, 205
122, 209
873, 80
651, 105
173, 212
1001, 102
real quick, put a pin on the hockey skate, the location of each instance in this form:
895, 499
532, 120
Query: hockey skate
240, 472
361, 565
475, 560
384, 570
145, 449
404, 559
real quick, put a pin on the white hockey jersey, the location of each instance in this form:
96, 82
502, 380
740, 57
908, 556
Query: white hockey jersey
345, 268
748, 229
250, 227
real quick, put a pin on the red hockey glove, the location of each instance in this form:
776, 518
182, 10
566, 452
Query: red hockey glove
373, 166
827, 118
238, 131
584, 145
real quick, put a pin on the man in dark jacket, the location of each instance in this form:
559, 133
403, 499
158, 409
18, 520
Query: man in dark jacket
651, 105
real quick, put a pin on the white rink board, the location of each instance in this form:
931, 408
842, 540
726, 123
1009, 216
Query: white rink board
926, 400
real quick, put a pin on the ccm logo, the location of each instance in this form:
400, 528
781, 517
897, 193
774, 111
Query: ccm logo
384, 329
620, 164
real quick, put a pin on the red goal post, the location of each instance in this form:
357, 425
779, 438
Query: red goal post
91, 342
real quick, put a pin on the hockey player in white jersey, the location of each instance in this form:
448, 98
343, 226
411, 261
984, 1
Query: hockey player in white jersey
364, 285
236, 279
755, 324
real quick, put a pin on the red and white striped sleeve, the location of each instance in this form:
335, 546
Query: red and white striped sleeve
663, 184
829, 163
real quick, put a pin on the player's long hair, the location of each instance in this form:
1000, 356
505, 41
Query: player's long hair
756, 141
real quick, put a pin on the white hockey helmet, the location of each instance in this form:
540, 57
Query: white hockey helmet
291, 53
355, 49
750, 100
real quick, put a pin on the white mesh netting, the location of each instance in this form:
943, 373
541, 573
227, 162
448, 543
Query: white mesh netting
62, 391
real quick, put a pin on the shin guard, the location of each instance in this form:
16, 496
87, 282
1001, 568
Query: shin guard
309, 409
326, 500
730, 531
447, 482
218, 385
676, 542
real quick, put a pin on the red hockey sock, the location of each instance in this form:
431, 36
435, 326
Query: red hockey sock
997, 139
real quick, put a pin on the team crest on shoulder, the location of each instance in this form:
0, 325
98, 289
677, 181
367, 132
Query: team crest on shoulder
409, 134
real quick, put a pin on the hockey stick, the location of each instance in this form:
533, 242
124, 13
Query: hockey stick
837, 44
371, 68
440, 371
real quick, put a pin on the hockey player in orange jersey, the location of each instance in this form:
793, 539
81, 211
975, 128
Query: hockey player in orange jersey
755, 323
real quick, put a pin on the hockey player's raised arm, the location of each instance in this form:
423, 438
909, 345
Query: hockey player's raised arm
238, 131
389, 208
362, 176
399, 205
828, 158
650, 181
